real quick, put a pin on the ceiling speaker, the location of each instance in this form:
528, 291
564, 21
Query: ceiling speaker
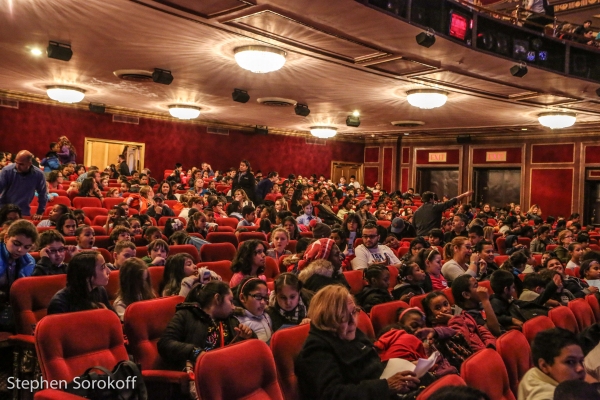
241, 96
463, 139
59, 51
261, 130
518, 70
97, 108
162, 76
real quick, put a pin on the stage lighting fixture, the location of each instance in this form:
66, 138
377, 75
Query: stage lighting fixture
97, 108
518, 70
59, 51
425, 39
352, 120
241, 96
162, 76
302, 110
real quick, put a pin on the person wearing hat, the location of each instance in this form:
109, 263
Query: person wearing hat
320, 230
362, 210
159, 209
429, 215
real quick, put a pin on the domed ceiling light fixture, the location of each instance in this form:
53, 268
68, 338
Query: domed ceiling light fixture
183, 111
65, 94
427, 98
323, 132
557, 119
259, 59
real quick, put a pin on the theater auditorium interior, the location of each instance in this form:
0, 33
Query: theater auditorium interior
288, 200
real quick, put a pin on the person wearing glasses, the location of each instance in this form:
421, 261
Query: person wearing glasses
52, 254
217, 208
371, 252
337, 360
253, 297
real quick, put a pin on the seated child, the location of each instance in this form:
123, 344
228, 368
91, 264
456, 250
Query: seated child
280, 238
52, 254
377, 289
249, 216
287, 305
576, 286
590, 271
118, 234
253, 297
158, 251
152, 233
177, 268
123, 251
134, 285
575, 252
86, 237
411, 279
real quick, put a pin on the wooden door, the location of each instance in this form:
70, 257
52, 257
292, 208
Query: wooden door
102, 153
340, 168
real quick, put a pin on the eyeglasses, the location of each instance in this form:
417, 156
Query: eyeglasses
370, 236
259, 297
56, 251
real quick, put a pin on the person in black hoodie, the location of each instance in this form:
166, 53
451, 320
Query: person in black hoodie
412, 278
202, 323
376, 291
244, 179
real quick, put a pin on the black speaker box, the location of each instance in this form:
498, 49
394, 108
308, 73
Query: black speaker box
59, 51
162, 76
239, 95
463, 139
97, 108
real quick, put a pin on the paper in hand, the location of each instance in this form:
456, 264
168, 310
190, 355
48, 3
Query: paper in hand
396, 365
424, 365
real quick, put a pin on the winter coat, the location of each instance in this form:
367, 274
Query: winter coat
370, 297
478, 336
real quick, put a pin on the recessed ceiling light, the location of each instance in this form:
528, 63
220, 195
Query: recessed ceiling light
406, 133
356, 113
65, 94
372, 135
523, 129
36, 52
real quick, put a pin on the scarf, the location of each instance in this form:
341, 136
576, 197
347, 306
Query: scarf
296, 315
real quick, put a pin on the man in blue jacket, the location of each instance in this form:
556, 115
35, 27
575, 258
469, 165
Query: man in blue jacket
20, 181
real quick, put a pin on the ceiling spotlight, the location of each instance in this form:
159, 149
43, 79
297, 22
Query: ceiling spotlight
353, 120
302, 110
356, 113
427, 98
65, 94
260, 59
35, 51
162, 76
518, 70
241, 96
59, 51
183, 111
425, 39
557, 119
323, 132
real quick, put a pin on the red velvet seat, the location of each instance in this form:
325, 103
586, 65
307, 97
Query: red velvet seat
485, 371
222, 237
271, 269
231, 222
393, 277
113, 285
144, 324
385, 223
501, 245
217, 252
402, 251
103, 242
385, 314
80, 202
252, 235
141, 251
499, 260
524, 241
536, 325
252, 365
306, 234
286, 345
64, 355
584, 315
59, 200
110, 202
108, 256
59, 192
92, 212
225, 229
222, 268
364, 324
273, 197
100, 220
156, 277
594, 304
416, 301
292, 246
516, 354
563, 317
448, 380
357, 242
171, 203
355, 280
185, 248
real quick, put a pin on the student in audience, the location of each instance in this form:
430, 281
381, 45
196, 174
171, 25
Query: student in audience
85, 237
575, 286
203, 323
55, 213
290, 225
52, 254
307, 216
337, 360
370, 252
55, 180
590, 271
67, 225
565, 238
575, 252
287, 307
123, 250
249, 216
463, 261
557, 357
50, 162
158, 250
265, 226
9, 213
430, 261
473, 300
416, 245
412, 279
345, 208
177, 268
198, 223
89, 188
67, 153
376, 291
241, 196
248, 261
438, 311
576, 390
281, 205
134, 285
253, 296
152, 233
458, 228
118, 234
216, 206
279, 241
159, 209
87, 276
542, 239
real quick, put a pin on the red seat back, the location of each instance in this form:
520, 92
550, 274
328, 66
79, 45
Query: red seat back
144, 324
271, 269
286, 345
222, 268
93, 212
499, 260
250, 362
222, 237
306, 234
363, 322
536, 325
68, 344
385, 314
563, 317
594, 304
185, 248
108, 256
113, 285
584, 315
110, 202
80, 202
385, 223
501, 245
29, 298
156, 277
516, 354
393, 277
61, 200
231, 222
217, 252
416, 301
355, 280
103, 242
357, 242
252, 235
448, 380
478, 370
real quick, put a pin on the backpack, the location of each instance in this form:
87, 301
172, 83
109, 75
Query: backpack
526, 310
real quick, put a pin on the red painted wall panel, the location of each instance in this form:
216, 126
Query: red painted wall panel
513, 155
34, 126
592, 154
552, 153
371, 175
452, 156
387, 169
372, 154
405, 155
552, 190
404, 183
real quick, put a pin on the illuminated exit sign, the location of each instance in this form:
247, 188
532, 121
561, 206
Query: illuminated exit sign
495, 156
437, 157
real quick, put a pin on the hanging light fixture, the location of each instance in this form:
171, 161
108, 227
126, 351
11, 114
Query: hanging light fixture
65, 94
183, 111
557, 119
260, 59
427, 98
323, 132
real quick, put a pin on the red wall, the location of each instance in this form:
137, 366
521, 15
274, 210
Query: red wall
34, 126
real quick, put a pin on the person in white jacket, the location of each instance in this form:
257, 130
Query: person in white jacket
371, 252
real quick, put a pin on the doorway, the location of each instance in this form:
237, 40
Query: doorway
442, 182
497, 187
591, 207
339, 169
103, 153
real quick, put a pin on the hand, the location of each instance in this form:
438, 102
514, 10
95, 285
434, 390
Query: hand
158, 261
158, 209
483, 294
443, 319
482, 266
37, 217
243, 332
474, 258
558, 281
593, 289
517, 322
402, 382
71, 250
305, 321
406, 298
44, 252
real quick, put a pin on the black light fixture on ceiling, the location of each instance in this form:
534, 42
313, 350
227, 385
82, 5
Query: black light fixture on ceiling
426, 39
162, 76
97, 108
518, 70
261, 130
302, 110
241, 96
353, 120
59, 51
